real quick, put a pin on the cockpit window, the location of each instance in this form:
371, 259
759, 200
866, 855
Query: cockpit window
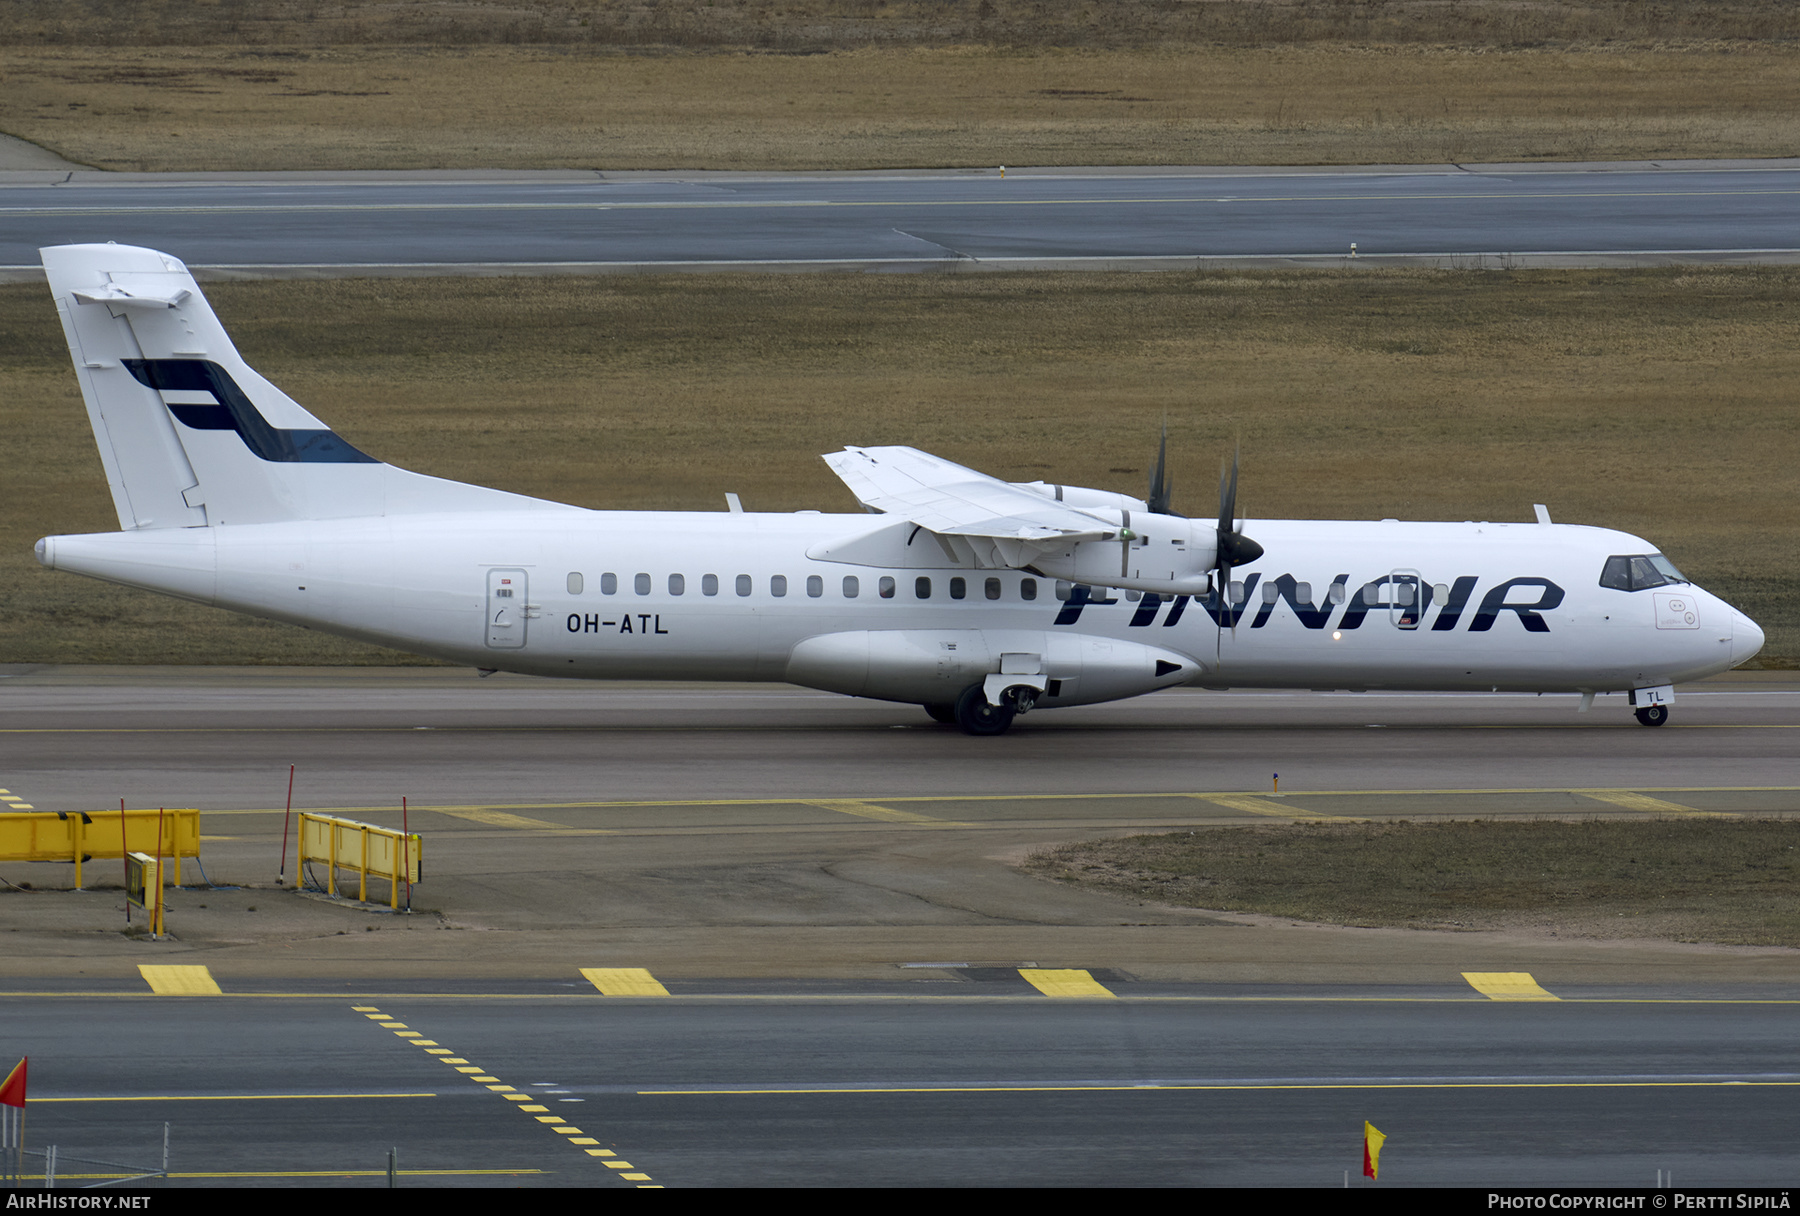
1640, 572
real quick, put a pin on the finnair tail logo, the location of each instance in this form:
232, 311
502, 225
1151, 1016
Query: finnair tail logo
232, 410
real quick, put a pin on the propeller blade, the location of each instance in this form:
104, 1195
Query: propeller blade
1228, 497
1234, 548
1162, 487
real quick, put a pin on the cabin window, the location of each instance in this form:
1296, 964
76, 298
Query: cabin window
1134, 596
574, 583
1064, 589
1371, 595
1238, 594
709, 584
1440, 592
922, 587
778, 585
1336, 595
1303, 593
677, 584
851, 587
887, 587
1028, 589
1271, 593
641, 584
992, 588
815, 586
609, 584
959, 589
743, 584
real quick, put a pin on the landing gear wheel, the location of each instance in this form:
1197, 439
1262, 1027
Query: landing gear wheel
943, 711
1653, 715
977, 717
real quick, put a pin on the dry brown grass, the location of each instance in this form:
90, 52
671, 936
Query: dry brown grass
819, 25
373, 107
1734, 882
1660, 402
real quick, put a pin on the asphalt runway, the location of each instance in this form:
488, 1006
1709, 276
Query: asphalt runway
397, 223
825, 890
914, 1089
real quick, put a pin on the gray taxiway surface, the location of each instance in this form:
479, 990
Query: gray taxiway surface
825, 888
389, 223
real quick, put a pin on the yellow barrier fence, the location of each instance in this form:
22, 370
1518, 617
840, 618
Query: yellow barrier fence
80, 836
369, 850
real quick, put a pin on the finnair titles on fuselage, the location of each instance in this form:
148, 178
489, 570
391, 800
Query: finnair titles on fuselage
975, 598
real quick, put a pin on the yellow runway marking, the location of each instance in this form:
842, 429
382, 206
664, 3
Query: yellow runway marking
324, 1174
525, 1102
235, 1097
877, 998
1249, 804
1151, 1086
460, 811
179, 981
1650, 806
14, 802
868, 810
1065, 984
623, 981
1507, 986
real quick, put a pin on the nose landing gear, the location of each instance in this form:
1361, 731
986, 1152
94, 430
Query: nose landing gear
1652, 704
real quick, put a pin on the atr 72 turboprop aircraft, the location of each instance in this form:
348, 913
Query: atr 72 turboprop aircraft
975, 598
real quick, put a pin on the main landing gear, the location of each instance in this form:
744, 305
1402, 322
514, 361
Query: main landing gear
977, 716
1653, 715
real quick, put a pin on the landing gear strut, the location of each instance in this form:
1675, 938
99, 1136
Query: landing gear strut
1653, 715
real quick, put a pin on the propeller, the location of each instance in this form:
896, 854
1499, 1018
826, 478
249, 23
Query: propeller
1162, 487
1234, 548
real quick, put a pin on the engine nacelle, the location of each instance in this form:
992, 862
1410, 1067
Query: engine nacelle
931, 666
1161, 553
1084, 499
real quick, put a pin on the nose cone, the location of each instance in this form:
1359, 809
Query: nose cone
1746, 639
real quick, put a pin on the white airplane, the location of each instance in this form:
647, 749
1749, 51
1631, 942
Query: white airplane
975, 598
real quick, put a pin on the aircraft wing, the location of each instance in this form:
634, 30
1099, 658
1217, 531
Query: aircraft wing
949, 499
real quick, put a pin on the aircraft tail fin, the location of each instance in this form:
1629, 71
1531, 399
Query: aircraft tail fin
189, 434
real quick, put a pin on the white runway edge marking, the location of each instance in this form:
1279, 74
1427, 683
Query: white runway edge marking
1045, 260
777, 204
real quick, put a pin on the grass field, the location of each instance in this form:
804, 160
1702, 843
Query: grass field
1657, 401
311, 107
1729, 881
